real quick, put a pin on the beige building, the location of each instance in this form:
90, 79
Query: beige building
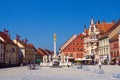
27, 51
104, 44
10, 49
2, 53
115, 34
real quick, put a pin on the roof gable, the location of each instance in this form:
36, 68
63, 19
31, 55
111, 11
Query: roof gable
104, 27
68, 42
6, 39
74, 41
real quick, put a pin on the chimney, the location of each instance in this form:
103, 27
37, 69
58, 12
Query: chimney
103, 22
98, 22
113, 21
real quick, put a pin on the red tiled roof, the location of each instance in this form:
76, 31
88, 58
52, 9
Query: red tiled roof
114, 26
110, 29
49, 52
6, 38
32, 46
41, 51
104, 27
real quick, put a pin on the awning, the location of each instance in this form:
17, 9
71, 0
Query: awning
113, 58
70, 57
84, 59
38, 61
88, 59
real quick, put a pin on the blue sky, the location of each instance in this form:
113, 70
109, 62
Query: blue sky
37, 20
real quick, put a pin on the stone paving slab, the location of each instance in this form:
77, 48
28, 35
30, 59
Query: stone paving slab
46, 73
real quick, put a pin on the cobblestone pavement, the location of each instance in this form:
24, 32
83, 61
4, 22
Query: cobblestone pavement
72, 73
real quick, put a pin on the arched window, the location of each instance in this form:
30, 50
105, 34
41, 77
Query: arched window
117, 53
111, 53
66, 54
92, 29
71, 55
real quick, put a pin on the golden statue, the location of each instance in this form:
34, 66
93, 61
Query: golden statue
55, 36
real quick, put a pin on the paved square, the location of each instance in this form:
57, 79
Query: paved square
46, 73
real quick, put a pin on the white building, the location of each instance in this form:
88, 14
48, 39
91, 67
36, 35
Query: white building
91, 39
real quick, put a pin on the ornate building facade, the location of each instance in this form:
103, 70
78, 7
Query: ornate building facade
91, 40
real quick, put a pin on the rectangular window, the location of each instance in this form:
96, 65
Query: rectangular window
73, 43
68, 48
73, 49
77, 43
71, 55
92, 29
1, 46
13, 50
66, 54
0, 54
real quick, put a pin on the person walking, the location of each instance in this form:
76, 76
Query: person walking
100, 64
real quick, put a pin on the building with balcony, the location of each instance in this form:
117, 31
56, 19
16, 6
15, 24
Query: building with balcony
114, 36
104, 44
96, 41
91, 40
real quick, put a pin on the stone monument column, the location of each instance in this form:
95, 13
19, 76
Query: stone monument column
55, 45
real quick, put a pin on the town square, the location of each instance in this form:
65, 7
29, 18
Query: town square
72, 73
59, 40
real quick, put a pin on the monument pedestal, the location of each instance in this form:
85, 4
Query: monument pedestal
55, 62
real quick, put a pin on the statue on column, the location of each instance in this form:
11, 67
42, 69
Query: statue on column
55, 44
